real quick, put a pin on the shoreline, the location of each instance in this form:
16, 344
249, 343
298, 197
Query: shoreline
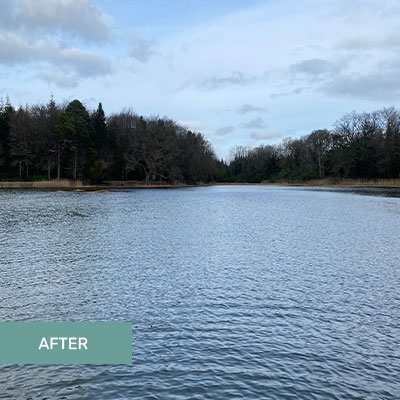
70, 185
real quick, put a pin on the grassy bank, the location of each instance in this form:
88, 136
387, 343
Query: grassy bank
67, 184
328, 182
383, 183
62, 183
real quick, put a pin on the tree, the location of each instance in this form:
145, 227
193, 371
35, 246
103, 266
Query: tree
21, 140
64, 129
319, 142
44, 119
391, 134
6, 110
99, 139
121, 129
79, 138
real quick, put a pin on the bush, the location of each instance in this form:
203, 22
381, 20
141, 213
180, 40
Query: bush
37, 178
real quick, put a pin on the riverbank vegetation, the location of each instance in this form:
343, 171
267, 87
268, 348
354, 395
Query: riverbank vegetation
52, 141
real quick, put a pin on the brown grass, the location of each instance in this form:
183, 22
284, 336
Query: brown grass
80, 186
384, 183
62, 183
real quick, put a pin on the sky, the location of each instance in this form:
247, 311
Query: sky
242, 72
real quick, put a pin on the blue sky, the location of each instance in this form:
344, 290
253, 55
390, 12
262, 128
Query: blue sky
241, 72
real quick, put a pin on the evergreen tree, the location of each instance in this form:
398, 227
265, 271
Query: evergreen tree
6, 110
80, 137
64, 129
99, 140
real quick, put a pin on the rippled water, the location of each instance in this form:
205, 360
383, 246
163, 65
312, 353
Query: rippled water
233, 292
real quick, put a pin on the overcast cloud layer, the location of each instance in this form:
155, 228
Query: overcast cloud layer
241, 72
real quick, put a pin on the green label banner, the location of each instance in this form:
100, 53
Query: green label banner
65, 343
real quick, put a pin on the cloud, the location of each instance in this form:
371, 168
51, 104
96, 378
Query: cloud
85, 64
14, 51
265, 135
315, 67
224, 130
223, 72
237, 78
62, 81
141, 49
383, 86
367, 42
33, 34
256, 123
289, 93
357, 42
389, 12
248, 108
72, 18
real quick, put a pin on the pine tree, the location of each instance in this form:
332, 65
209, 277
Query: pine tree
100, 131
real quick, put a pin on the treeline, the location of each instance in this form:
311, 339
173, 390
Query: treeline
361, 145
52, 141
67, 141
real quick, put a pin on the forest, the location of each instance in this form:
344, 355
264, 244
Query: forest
53, 141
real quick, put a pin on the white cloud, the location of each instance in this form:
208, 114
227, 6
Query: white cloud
255, 123
72, 18
366, 41
266, 135
248, 108
141, 49
224, 130
15, 50
383, 86
288, 93
34, 35
315, 67
237, 78
62, 81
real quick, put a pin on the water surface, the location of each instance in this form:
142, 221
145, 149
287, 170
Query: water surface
233, 291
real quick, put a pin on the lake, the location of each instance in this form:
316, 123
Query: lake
248, 292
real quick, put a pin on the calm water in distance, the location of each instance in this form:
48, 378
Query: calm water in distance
253, 292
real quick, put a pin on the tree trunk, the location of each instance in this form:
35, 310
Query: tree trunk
48, 171
58, 163
75, 164
319, 166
